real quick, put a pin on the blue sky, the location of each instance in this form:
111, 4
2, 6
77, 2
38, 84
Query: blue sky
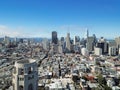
38, 18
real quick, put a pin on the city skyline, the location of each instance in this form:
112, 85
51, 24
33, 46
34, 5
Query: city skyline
39, 18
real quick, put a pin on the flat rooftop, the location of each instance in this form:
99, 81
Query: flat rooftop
26, 61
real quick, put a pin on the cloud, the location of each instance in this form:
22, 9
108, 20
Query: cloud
42, 31
5, 31
12, 32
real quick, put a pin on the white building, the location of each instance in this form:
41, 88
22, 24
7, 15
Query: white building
60, 49
119, 51
98, 51
46, 44
25, 75
112, 50
84, 52
6, 40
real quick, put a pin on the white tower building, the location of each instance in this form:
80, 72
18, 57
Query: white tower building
6, 40
86, 33
25, 75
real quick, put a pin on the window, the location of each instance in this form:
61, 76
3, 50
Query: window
14, 70
20, 87
31, 77
30, 87
13, 86
30, 69
21, 71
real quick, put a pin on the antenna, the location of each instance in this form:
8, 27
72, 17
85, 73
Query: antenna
68, 29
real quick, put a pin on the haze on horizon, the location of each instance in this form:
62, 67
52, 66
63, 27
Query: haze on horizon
38, 18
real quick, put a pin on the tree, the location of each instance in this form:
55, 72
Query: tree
107, 88
101, 80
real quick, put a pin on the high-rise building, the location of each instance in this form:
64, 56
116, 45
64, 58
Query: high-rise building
54, 37
62, 39
112, 51
90, 44
6, 40
103, 45
46, 44
54, 49
60, 49
98, 51
25, 75
68, 43
21, 40
76, 40
117, 40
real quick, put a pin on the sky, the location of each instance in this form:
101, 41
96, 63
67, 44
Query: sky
38, 18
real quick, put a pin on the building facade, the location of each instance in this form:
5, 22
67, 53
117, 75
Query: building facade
25, 75
54, 37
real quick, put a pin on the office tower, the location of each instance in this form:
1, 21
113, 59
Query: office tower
76, 49
60, 49
112, 43
76, 40
46, 44
54, 49
54, 37
95, 39
6, 40
15, 40
62, 39
21, 40
117, 39
25, 75
112, 50
83, 42
90, 44
61, 42
98, 51
103, 45
68, 43
118, 51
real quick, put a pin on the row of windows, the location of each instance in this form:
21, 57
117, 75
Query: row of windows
20, 78
30, 69
31, 77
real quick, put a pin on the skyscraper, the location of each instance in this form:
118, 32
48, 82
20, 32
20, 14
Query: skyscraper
54, 37
68, 44
46, 44
103, 45
76, 40
90, 44
86, 33
6, 40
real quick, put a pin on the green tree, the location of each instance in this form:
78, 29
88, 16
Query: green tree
107, 88
101, 80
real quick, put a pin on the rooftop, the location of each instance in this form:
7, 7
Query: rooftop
26, 61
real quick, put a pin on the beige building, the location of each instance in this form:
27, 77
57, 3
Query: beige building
98, 51
112, 50
25, 75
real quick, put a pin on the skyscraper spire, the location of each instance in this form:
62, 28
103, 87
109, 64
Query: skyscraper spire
87, 33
